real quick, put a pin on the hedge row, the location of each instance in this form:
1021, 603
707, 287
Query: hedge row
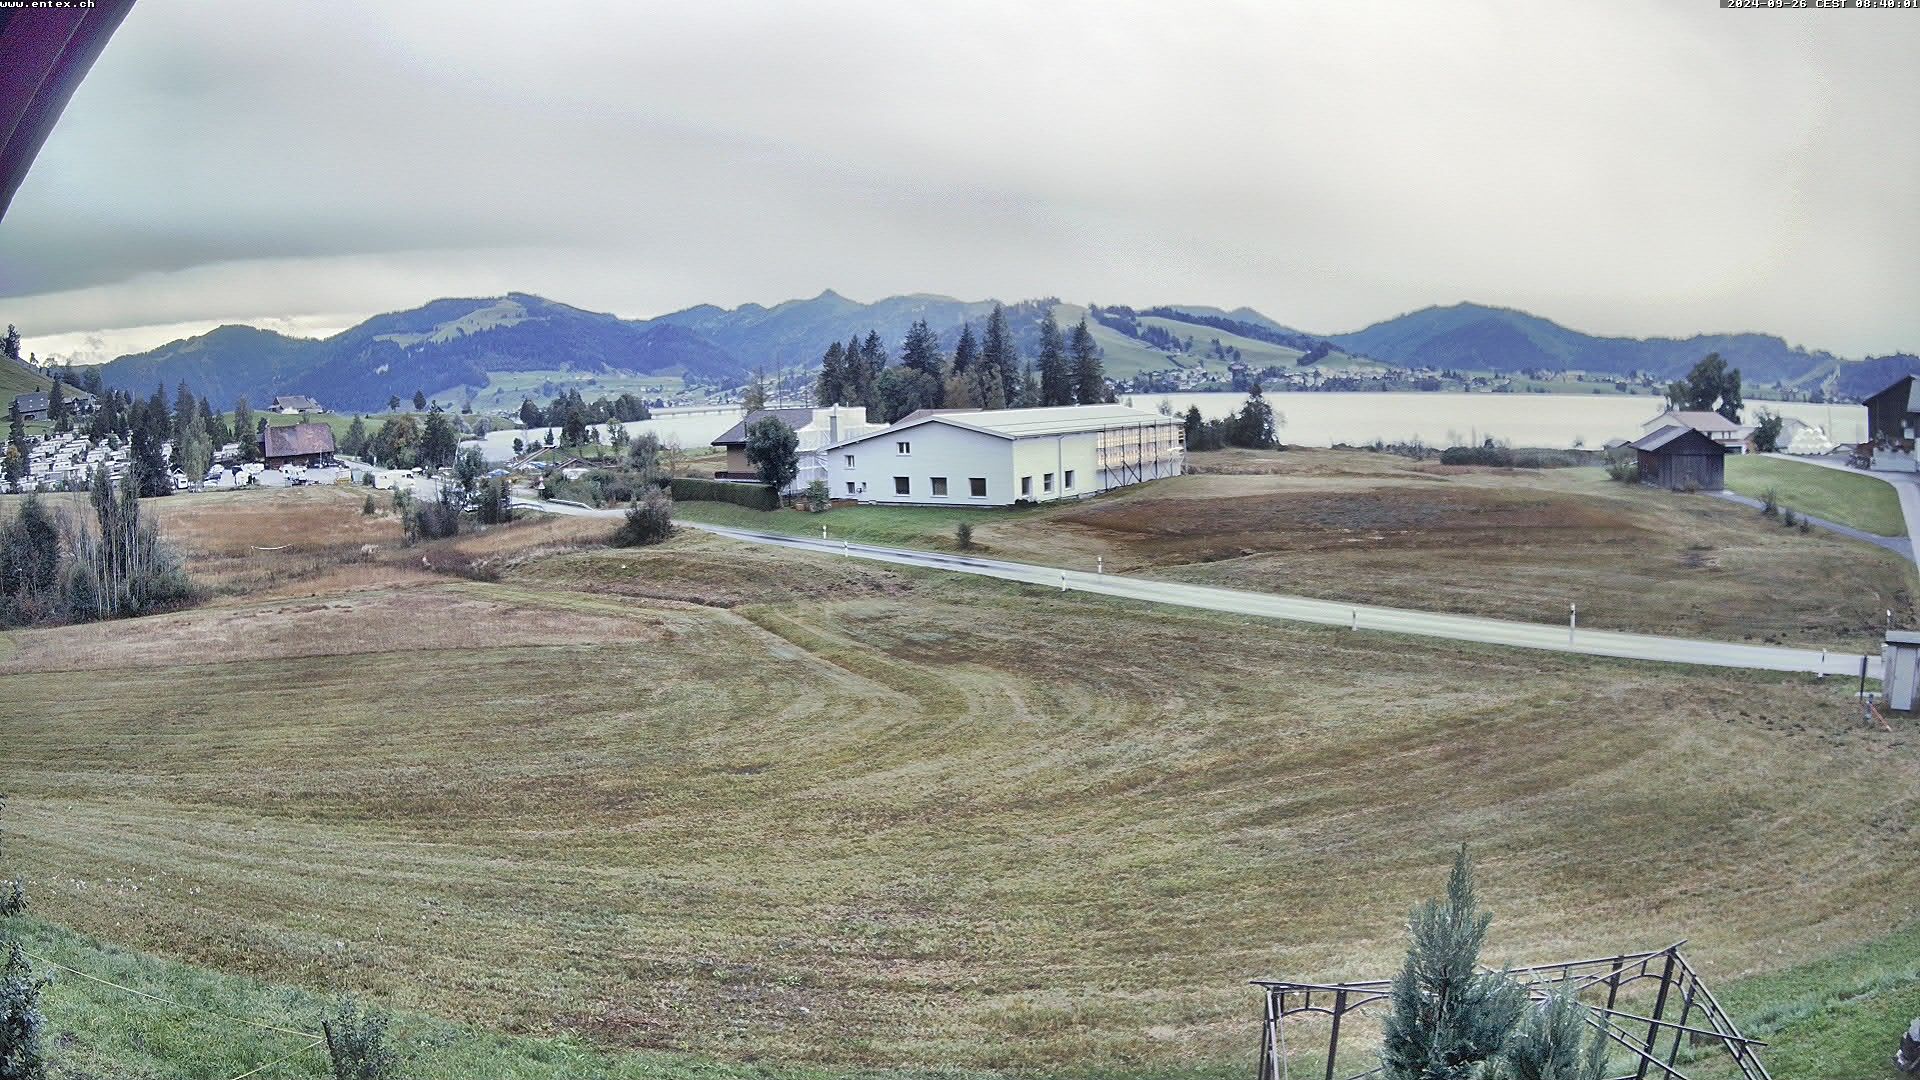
756, 496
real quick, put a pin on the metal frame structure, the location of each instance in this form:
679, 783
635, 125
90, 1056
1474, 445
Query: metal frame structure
1650, 1040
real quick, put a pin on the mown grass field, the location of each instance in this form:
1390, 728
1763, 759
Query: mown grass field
802, 815
1380, 529
1850, 498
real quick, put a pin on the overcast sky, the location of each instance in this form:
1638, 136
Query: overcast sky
1622, 167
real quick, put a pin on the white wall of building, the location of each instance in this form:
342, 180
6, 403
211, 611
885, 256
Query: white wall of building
1039, 468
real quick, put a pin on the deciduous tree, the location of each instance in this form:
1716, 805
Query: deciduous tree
774, 450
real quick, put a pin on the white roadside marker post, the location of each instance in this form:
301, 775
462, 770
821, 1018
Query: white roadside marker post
1063, 581
1356, 619
823, 532
846, 549
1573, 620
1100, 565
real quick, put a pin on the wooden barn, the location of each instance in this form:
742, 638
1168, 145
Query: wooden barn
1681, 459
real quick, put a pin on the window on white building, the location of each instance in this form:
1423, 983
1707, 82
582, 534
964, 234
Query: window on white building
1066, 481
849, 461
903, 448
977, 486
849, 487
901, 486
939, 487
1026, 487
1046, 482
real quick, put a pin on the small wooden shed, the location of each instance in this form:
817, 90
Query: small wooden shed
1681, 459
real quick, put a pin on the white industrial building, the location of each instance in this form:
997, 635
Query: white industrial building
972, 457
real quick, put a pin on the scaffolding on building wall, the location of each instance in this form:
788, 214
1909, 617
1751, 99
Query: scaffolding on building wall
1628, 997
1134, 453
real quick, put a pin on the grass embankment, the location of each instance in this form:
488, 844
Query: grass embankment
199, 1031
902, 526
1856, 499
753, 805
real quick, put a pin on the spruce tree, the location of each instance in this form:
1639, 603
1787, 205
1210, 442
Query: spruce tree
1449, 1018
966, 352
873, 361
1000, 359
921, 350
245, 432
1056, 377
830, 387
57, 406
1089, 381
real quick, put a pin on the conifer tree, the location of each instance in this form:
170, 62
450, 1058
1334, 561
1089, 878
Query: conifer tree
1056, 377
1089, 381
966, 352
1449, 1018
1555, 1042
999, 357
245, 431
830, 387
921, 350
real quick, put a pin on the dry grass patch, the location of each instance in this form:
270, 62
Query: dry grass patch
956, 823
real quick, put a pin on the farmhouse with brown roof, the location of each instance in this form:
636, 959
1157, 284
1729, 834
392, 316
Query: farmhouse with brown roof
296, 444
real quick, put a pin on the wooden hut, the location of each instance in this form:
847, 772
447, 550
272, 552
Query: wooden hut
1681, 459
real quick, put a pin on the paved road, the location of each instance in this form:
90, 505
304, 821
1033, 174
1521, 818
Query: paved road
1324, 612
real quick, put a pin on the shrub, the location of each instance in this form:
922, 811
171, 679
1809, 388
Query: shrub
438, 519
1626, 472
22, 1027
649, 520
818, 500
1770, 502
368, 508
1445, 1009
754, 496
1806, 526
1555, 1042
1789, 518
963, 535
357, 1043
496, 502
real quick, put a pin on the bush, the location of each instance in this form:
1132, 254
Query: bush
22, 1027
1769, 502
754, 496
1626, 472
818, 500
438, 519
649, 520
963, 535
1789, 518
368, 508
357, 1044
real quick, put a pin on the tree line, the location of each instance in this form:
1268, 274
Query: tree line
983, 372
1254, 426
58, 566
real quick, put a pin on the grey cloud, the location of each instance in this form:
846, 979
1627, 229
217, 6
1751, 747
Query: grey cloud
1625, 168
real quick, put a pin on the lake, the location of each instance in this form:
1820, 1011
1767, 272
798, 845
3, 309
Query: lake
1559, 421
688, 428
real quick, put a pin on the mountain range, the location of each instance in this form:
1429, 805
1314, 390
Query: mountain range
452, 348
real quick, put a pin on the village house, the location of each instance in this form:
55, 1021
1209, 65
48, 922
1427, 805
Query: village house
291, 404
973, 457
35, 406
815, 429
1727, 433
1681, 458
1893, 418
296, 444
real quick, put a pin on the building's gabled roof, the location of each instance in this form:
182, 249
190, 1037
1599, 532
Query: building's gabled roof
297, 440
1700, 420
296, 402
1674, 437
1907, 386
1024, 423
737, 434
